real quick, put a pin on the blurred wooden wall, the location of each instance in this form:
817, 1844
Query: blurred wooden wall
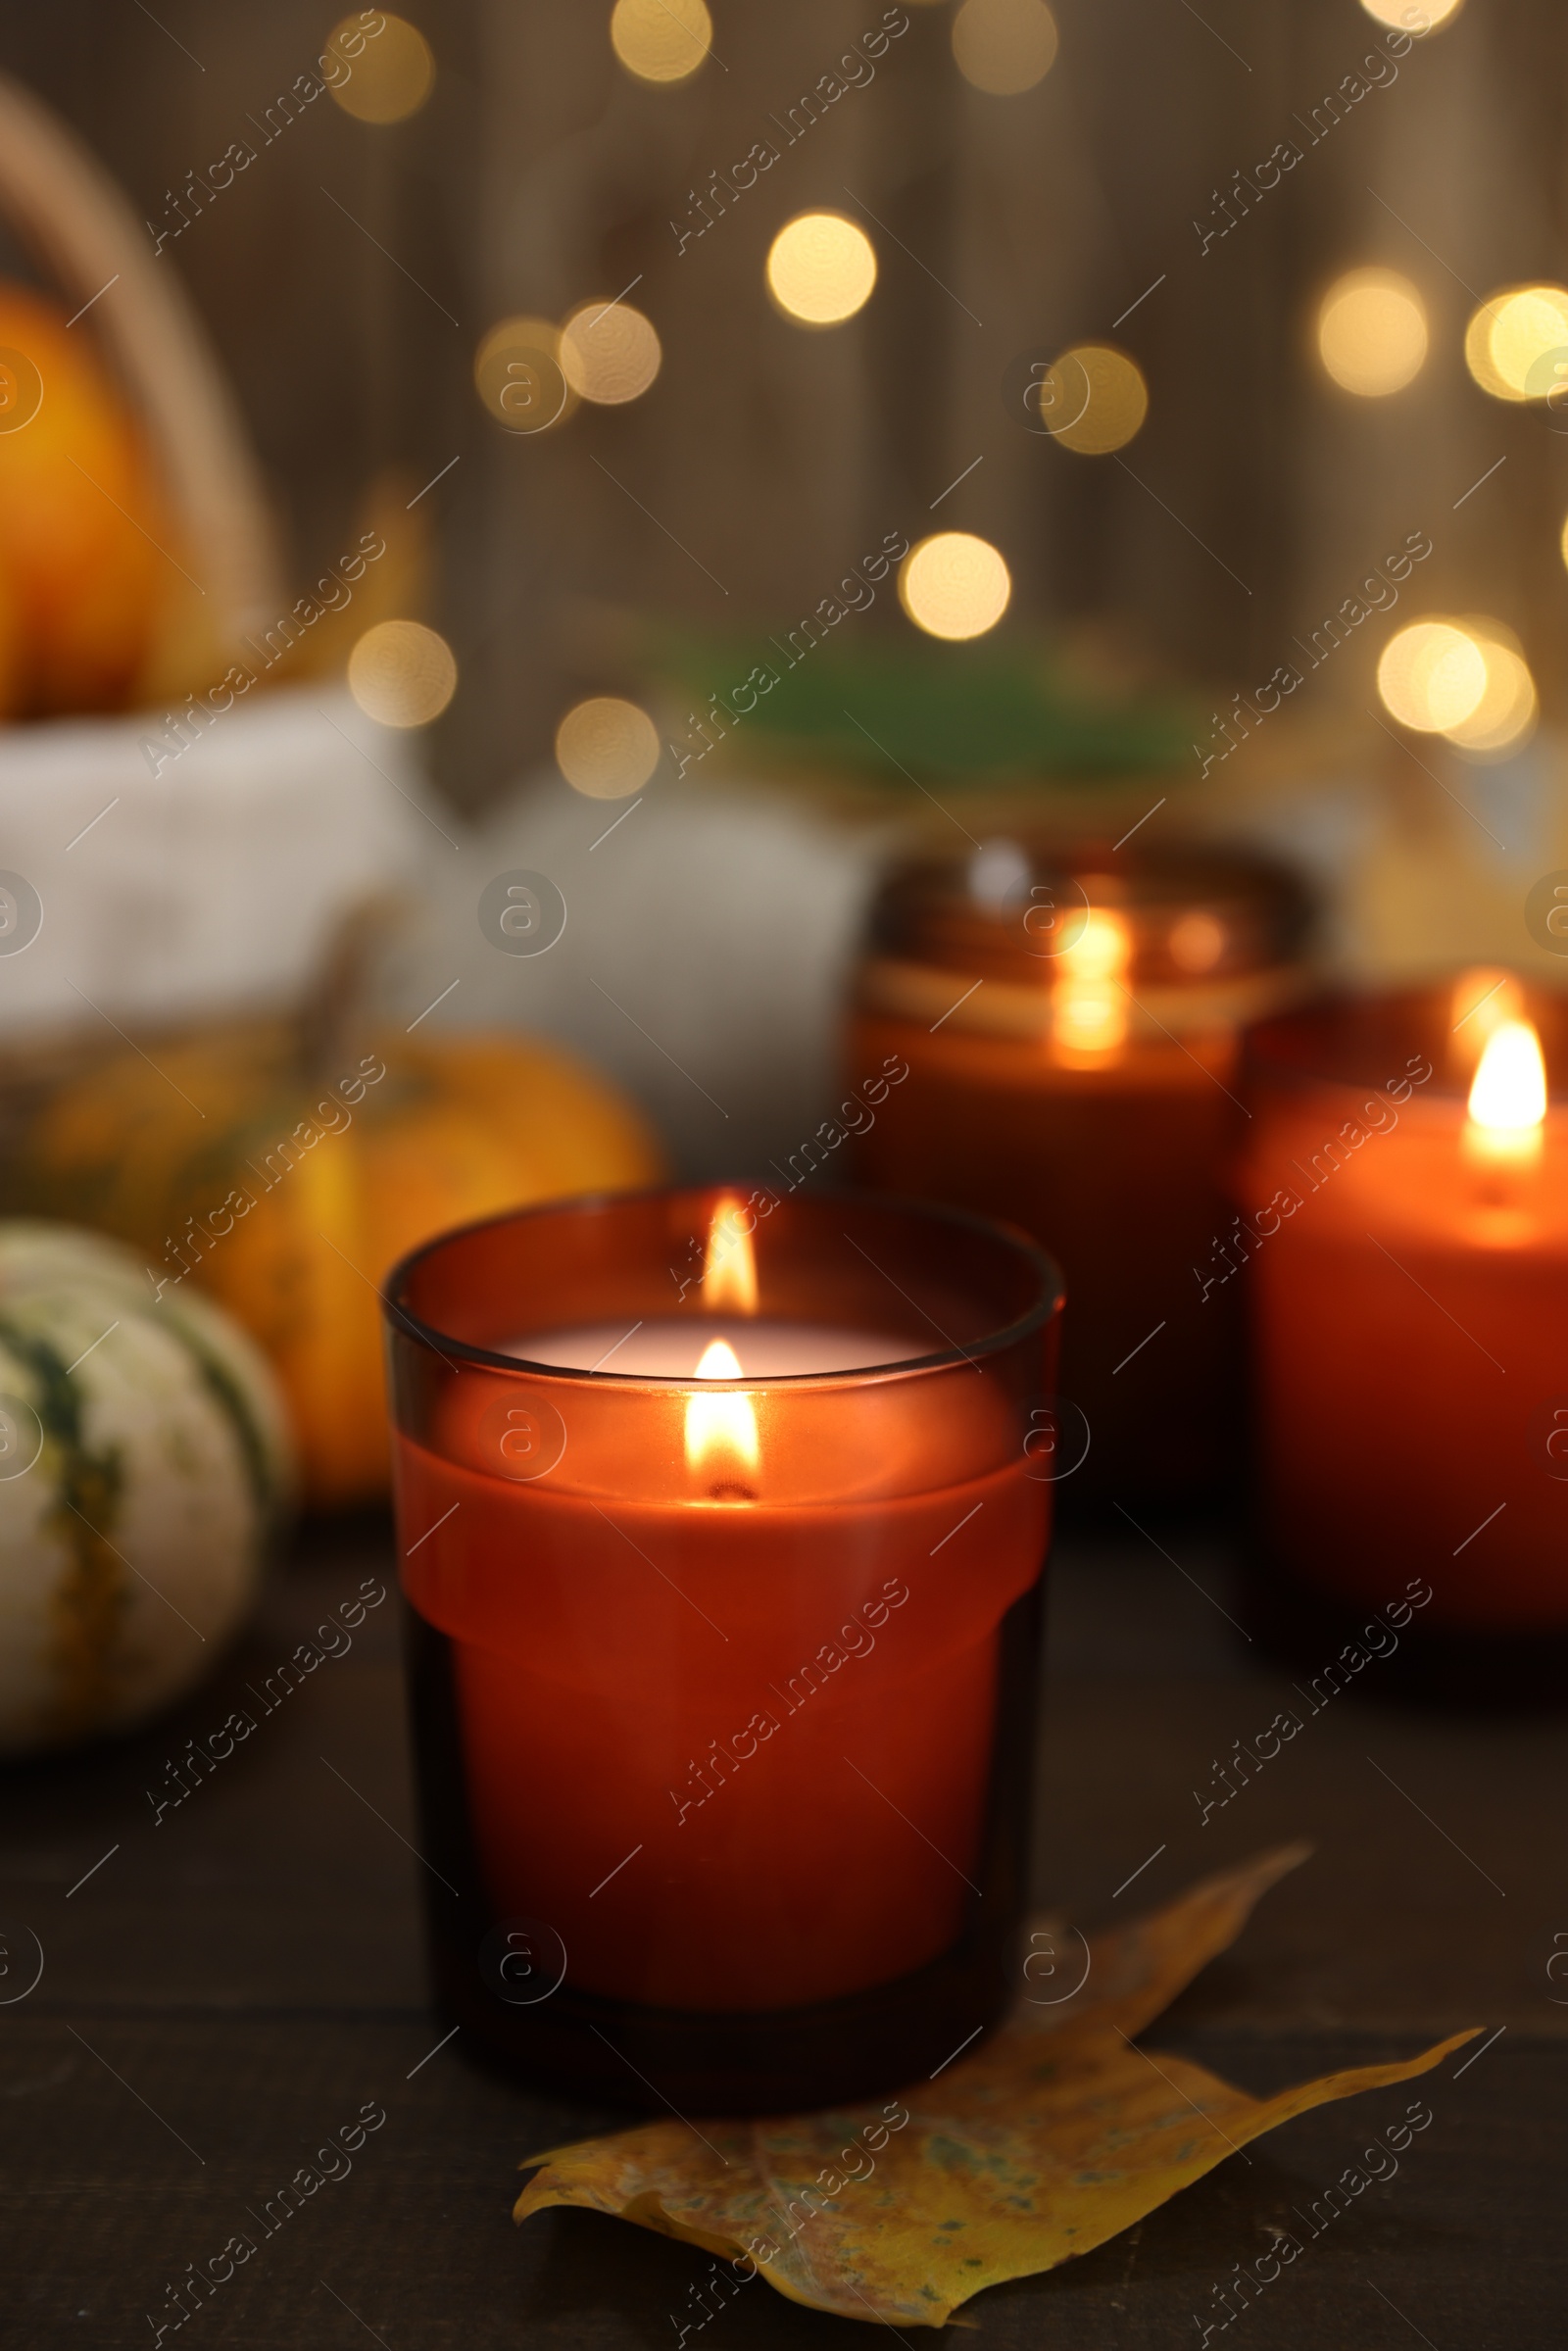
765, 458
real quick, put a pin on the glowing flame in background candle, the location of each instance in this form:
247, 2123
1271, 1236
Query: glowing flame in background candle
730, 1271
1089, 1006
722, 1430
1508, 1100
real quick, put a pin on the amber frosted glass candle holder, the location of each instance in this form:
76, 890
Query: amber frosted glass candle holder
723, 1684
1402, 1236
1049, 1034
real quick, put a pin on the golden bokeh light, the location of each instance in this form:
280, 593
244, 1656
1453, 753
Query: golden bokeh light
1505, 715
517, 374
1092, 398
821, 269
660, 41
954, 585
1405, 16
607, 748
1432, 675
608, 352
1372, 333
392, 71
1005, 46
402, 673
1516, 344
1198, 942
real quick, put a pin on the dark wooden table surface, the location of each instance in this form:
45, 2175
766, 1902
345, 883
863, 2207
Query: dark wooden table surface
223, 1990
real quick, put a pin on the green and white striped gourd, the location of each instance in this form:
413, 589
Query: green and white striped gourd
145, 1463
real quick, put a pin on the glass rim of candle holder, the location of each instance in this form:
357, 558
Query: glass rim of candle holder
1346, 1039
841, 1201
1208, 936
605, 1572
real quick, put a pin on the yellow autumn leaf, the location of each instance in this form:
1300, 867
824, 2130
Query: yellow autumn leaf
1055, 2134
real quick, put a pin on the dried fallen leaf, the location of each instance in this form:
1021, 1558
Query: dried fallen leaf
1055, 2136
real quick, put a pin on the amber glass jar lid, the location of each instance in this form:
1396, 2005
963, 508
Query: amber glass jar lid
1192, 937
1011, 908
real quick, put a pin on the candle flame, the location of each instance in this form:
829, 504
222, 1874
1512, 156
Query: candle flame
729, 1269
1508, 1099
720, 1427
1510, 1084
1088, 1012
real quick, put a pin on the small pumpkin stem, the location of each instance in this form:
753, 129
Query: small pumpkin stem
335, 1018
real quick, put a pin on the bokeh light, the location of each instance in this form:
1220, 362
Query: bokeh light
1505, 715
517, 374
660, 41
1405, 16
402, 673
605, 746
1198, 941
1372, 333
954, 585
1516, 344
1092, 398
1005, 46
1432, 675
608, 352
821, 269
391, 74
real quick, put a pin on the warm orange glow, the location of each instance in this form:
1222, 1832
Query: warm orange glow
1089, 1009
1483, 1000
721, 1429
1198, 942
729, 1270
1508, 1099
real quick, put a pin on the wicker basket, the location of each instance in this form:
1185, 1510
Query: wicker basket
209, 889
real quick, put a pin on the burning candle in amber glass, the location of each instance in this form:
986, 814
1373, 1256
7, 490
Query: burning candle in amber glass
1404, 1205
722, 1519
1069, 1020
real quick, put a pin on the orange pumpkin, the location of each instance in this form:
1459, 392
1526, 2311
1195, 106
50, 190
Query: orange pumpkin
11, 674
86, 545
289, 1200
